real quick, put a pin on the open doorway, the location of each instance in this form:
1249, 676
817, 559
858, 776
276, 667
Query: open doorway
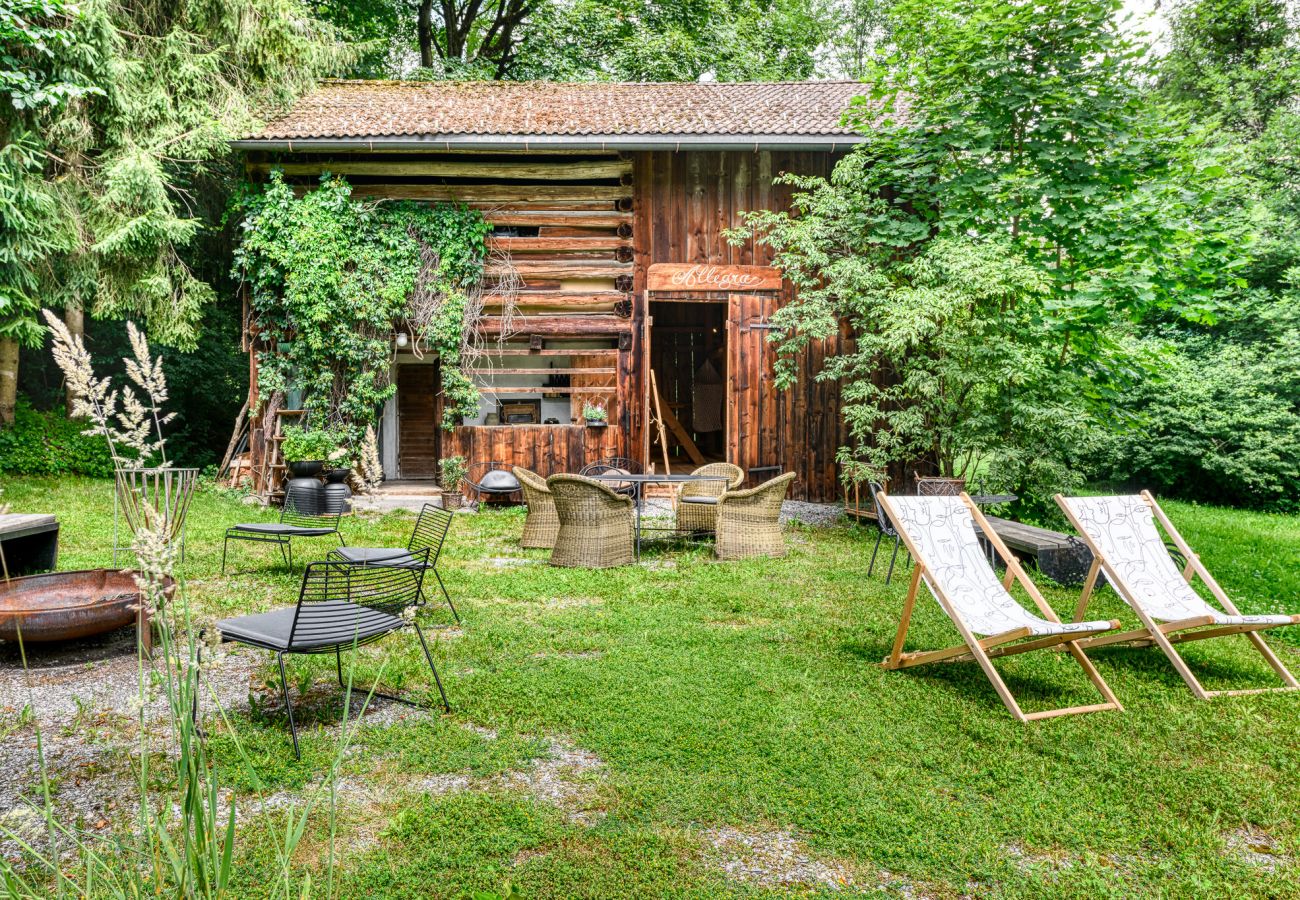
688, 355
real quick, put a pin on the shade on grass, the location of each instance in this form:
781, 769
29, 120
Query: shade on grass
748, 695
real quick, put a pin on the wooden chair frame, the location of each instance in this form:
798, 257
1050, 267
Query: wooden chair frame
989, 648
1180, 631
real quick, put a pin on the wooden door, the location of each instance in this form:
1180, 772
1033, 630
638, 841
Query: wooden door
753, 403
418, 433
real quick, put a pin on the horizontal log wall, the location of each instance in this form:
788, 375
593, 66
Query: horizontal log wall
565, 224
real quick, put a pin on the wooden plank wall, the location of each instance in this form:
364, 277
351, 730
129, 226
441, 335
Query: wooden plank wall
545, 449
684, 202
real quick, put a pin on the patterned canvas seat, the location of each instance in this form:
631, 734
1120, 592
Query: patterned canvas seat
942, 534
1122, 534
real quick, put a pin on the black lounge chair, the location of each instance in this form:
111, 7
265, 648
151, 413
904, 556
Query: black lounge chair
340, 606
293, 524
429, 534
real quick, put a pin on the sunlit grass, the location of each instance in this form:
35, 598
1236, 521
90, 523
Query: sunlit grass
749, 695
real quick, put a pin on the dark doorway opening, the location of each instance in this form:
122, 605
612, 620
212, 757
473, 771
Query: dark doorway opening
688, 354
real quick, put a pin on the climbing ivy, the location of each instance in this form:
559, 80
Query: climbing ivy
329, 277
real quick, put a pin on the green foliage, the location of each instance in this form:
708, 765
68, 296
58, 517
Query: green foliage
1216, 417
126, 109
49, 443
1015, 197
303, 444
329, 277
594, 412
452, 471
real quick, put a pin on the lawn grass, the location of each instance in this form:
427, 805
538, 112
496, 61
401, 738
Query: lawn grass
749, 696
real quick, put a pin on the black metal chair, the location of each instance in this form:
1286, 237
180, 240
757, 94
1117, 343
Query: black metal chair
615, 465
427, 537
887, 529
293, 524
492, 481
340, 606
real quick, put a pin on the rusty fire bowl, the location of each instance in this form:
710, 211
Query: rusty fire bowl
62, 606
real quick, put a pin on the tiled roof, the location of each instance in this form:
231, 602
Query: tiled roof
392, 109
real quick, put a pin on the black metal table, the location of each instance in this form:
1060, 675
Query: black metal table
637, 481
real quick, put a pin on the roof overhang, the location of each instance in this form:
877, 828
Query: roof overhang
523, 143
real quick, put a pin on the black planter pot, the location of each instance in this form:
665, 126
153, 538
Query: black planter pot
338, 495
305, 468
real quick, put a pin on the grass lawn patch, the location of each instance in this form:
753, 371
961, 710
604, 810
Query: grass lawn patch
668, 729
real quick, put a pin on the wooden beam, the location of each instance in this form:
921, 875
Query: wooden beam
559, 325
527, 269
559, 244
571, 218
600, 370
611, 389
502, 193
525, 352
586, 300
486, 169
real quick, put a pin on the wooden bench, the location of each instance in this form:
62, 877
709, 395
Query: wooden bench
29, 543
1061, 557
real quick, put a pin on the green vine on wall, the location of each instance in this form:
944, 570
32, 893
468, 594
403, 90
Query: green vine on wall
330, 277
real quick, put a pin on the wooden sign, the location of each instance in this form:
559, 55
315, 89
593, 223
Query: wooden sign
686, 277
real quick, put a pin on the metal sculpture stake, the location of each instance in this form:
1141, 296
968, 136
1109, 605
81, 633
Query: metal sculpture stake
166, 491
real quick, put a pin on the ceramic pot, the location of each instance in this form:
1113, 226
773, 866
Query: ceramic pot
452, 499
338, 494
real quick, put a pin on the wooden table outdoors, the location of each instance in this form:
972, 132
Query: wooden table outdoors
638, 481
29, 543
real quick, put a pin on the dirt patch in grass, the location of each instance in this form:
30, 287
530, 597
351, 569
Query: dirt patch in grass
1257, 848
774, 859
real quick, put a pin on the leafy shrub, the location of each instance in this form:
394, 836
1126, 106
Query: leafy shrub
302, 444
1217, 421
452, 470
48, 443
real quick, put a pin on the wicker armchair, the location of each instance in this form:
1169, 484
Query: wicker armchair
596, 524
749, 522
697, 503
542, 524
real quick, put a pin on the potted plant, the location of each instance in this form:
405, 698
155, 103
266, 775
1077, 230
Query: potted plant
595, 415
306, 450
452, 470
338, 493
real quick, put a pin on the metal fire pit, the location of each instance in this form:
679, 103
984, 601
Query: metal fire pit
62, 606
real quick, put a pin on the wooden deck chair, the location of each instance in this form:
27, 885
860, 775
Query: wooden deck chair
940, 533
1121, 532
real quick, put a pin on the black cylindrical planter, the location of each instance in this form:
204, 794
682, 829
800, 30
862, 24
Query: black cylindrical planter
338, 495
303, 491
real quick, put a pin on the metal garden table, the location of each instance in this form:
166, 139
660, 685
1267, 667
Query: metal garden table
637, 481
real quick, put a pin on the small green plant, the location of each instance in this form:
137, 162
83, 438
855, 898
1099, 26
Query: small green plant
303, 445
452, 469
594, 412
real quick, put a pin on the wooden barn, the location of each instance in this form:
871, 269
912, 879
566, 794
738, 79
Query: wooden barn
611, 202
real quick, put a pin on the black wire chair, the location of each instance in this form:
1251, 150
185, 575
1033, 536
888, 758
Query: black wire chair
340, 606
615, 465
887, 529
294, 523
490, 481
427, 537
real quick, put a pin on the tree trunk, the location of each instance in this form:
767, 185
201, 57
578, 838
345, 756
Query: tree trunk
424, 30
8, 379
74, 316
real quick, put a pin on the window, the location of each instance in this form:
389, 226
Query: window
556, 381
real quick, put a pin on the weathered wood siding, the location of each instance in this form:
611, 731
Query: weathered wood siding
589, 226
684, 203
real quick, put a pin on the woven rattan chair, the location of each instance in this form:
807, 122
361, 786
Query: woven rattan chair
429, 533
340, 607
542, 525
697, 503
295, 522
749, 522
596, 524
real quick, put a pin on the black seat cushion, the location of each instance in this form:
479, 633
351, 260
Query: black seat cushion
280, 528
329, 623
499, 481
391, 556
